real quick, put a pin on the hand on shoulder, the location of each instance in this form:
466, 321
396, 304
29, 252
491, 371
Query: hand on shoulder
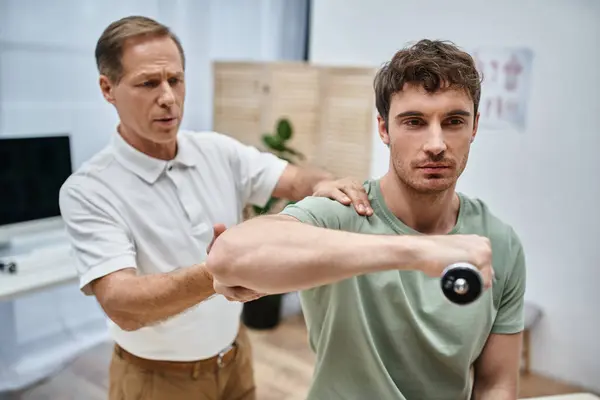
347, 191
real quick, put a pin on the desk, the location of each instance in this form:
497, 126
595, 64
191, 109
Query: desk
43, 326
14, 285
54, 269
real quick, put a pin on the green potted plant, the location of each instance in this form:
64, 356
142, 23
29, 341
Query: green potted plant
264, 313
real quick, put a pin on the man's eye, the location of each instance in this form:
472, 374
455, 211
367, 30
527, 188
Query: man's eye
456, 121
413, 122
149, 84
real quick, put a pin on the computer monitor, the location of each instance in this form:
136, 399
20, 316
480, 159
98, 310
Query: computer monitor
32, 170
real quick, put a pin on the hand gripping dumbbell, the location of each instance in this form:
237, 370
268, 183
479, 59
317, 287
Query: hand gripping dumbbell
462, 283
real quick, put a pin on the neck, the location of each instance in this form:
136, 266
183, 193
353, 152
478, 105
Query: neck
428, 213
161, 151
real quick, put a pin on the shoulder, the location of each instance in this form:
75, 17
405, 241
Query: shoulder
88, 176
479, 216
205, 140
325, 212
220, 148
91, 184
507, 247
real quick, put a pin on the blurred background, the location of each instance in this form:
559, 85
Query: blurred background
251, 63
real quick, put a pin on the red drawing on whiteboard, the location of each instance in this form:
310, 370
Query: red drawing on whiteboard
494, 65
488, 107
494, 106
499, 104
511, 107
512, 70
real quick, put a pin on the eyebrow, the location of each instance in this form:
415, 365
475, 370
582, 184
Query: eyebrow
152, 75
463, 113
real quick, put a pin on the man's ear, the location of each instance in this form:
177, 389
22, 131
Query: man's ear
107, 88
383, 131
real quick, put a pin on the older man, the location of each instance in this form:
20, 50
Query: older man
141, 213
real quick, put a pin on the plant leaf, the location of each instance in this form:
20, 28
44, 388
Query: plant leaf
264, 210
286, 159
284, 129
293, 152
273, 142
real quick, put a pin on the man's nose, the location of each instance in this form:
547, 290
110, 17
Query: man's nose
435, 143
167, 97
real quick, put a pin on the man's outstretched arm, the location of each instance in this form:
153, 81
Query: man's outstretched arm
278, 254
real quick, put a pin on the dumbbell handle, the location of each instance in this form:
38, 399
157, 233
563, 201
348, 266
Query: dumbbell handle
461, 283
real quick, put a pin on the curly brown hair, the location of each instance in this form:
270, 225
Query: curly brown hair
433, 64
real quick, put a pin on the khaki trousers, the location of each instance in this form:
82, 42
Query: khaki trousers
230, 377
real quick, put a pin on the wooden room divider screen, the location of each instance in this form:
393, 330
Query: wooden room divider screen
331, 109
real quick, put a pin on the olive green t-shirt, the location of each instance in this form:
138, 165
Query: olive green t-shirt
393, 335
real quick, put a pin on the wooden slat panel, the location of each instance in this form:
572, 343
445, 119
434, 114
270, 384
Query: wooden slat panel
346, 121
331, 109
239, 100
294, 94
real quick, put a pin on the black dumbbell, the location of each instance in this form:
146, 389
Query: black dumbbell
462, 283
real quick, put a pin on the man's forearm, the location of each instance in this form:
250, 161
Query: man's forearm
134, 301
296, 183
289, 255
308, 180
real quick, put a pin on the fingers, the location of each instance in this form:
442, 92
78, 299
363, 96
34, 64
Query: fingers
359, 198
218, 229
335, 194
347, 192
243, 299
237, 293
488, 277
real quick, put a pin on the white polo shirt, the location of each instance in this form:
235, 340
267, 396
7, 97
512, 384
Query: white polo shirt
123, 209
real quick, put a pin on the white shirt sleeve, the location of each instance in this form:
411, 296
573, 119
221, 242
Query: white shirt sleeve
100, 241
256, 172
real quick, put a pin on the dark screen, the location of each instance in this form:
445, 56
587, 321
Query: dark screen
32, 170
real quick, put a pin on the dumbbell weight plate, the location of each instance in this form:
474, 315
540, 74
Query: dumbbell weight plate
461, 283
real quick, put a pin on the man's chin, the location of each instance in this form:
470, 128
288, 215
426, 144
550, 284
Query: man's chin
161, 136
433, 185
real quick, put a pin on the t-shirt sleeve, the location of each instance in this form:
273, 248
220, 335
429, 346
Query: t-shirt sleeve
101, 243
510, 317
256, 172
318, 211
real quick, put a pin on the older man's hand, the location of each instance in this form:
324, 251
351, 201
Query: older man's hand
346, 191
237, 293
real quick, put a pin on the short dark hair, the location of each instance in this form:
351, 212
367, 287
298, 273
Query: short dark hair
432, 64
109, 49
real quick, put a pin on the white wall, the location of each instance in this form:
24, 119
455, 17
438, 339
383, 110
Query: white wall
49, 84
544, 181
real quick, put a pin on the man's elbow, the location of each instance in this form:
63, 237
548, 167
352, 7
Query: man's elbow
221, 260
241, 250
127, 324
124, 321
496, 389
109, 297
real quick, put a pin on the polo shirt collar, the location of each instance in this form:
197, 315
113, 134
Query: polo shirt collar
150, 168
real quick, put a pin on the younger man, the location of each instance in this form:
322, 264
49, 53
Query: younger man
376, 314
